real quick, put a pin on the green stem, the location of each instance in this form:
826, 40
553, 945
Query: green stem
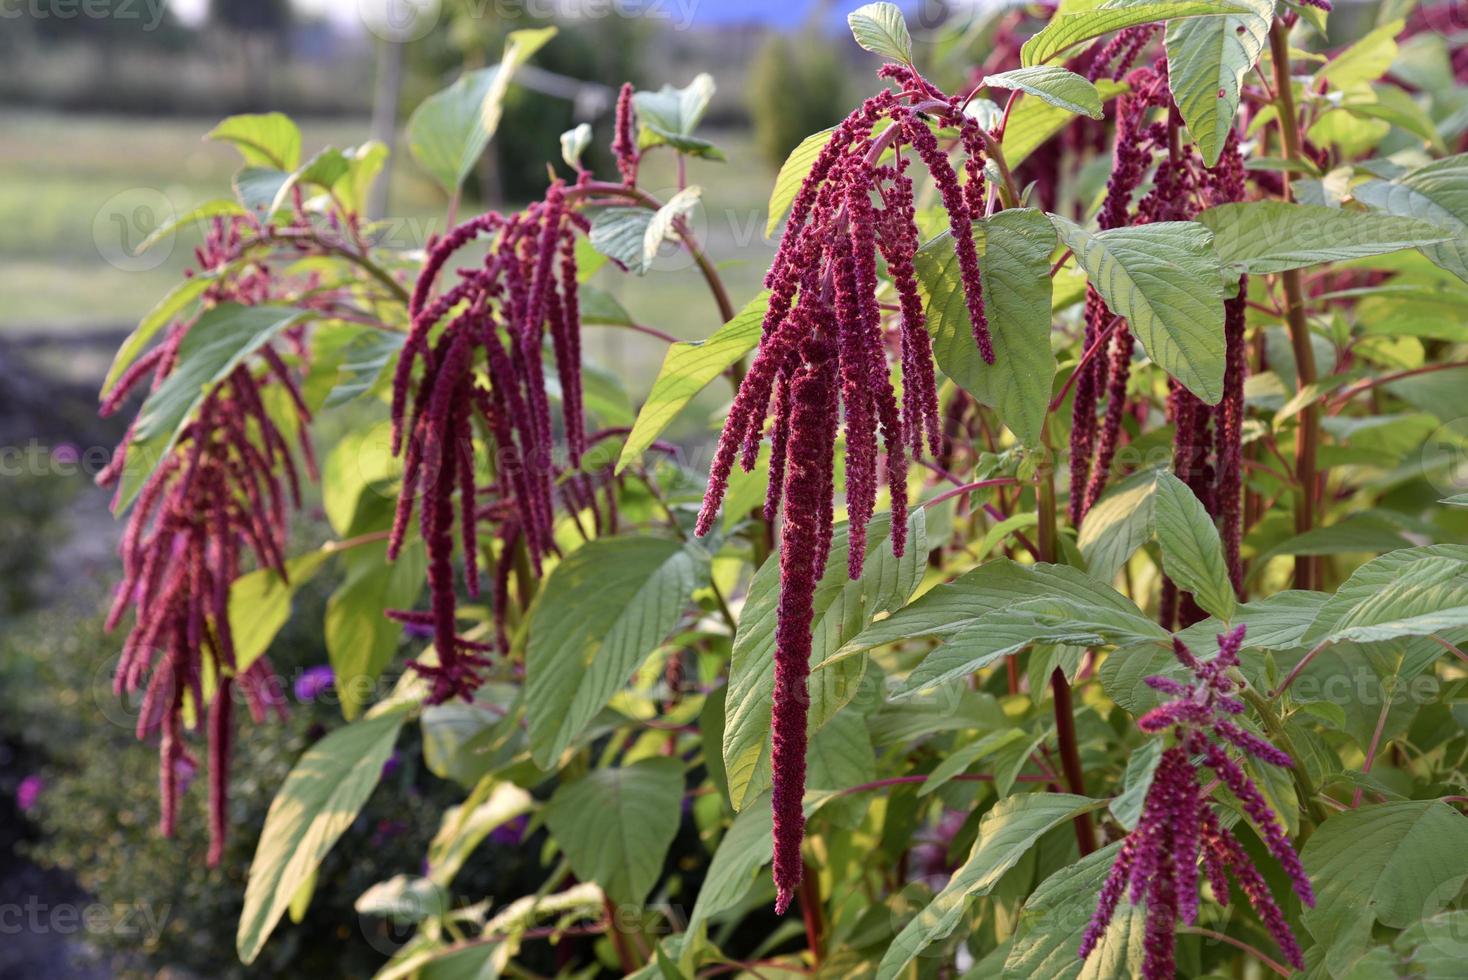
1304, 786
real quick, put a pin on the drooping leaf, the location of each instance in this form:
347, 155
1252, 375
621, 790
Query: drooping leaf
492, 804
1424, 597
616, 825
1165, 279
1437, 194
881, 29
449, 130
1192, 554
1207, 59
792, 174
1006, 833
1058, 86
598, 616
842, 609
621, 234
1033, 121
1055, 917
670, 115
687, 369
1271, 236
1119, 524
1068, 29
217, 343
1014, 257
260, 604
665, 220
319, 800
1368, 581
747, 846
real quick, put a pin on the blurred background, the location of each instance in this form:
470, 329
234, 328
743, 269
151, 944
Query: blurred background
103, 108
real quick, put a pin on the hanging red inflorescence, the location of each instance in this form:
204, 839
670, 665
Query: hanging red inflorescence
822, 356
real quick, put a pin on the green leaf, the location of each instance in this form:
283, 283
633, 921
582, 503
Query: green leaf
881, 29
265, 140
1119, 524
1365, 61
575, 142
1058, 86
1207, 59
1192, 553
1457, 500
1165, 279
1368, 581
449, 130
1437, 194
616, 825
260, 604
319, 800
1006, 833
222, 207
1014, 255
747, 846
492, 804
360, 640
1141, 766
256, 188
1054, 919
687, 369
621, 233
1066, 30
364, 363
218, 342
1396, 863
842, 609
1424, 597
670, 115
1272, 236
1033, 121
792, 174
603, 610
180, 298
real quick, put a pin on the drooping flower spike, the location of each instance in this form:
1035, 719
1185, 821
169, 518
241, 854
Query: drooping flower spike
486, 363
822, 356
221, 495
1157, 864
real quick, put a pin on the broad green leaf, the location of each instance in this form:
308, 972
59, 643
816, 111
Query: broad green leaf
956, 762
1141, 766
1207, 59
881, 29
621, 234
1276, 622
360, 640
1058, 86
603, 610
217, 343
1272, 236
599, 307
256, 188
616, 825
1033, 121
1066, 30
268, 139
319, 800
792, 174
1166, 280
1395, 863
1014, 257
260, 605
1054, 919
1118, 524
1192, 553
1424, 597
364, 363
1436, 193
842, 609
492, 804
362, 460
670, 115
663, 224
1369, 580
962, 606
1365, 61
449, 130
364, 162
1006, 833
180, 298
687, 369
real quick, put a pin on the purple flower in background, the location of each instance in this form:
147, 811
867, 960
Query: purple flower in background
392, 764
510, 834
28, 793
314, 682
65, 454
418, 631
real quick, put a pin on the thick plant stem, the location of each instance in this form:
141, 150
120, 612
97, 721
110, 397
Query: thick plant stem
1065, 724
1304, 786
1307, 435
810, 910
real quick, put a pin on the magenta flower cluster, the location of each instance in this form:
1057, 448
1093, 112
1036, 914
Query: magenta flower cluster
1158, 862
824, 353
